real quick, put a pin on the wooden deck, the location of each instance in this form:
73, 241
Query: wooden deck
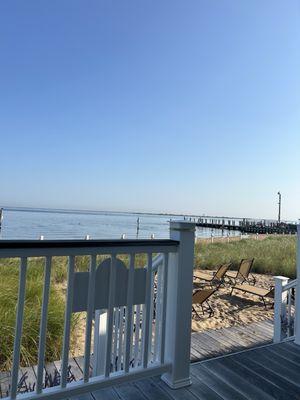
266, 373
214, 343
204, 346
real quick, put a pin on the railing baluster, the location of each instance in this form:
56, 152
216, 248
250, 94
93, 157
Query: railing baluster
289, 312
43, 325
137, 334
68, 312
146, 314
89, 318
116, 323
151, 315
110, 311
158, 305
128, 323
120, 342
164, 309
19, 325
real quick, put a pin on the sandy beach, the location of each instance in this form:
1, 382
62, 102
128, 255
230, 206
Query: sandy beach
239, 309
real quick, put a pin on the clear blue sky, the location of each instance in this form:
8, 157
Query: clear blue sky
184, 106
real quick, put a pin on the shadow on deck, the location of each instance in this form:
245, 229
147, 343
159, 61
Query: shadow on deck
265, 373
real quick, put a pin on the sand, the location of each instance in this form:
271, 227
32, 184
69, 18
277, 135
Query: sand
237, 309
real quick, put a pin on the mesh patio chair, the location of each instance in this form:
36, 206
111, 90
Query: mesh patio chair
262, 293
217, 277
243, 273
200, 298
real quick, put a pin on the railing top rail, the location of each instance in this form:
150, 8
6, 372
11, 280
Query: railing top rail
34, 248
290, 285
70, 243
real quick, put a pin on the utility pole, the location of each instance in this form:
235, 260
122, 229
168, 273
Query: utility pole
279, 207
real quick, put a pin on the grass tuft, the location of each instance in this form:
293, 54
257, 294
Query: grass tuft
273, 255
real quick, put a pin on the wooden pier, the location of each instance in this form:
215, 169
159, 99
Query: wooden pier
245, 225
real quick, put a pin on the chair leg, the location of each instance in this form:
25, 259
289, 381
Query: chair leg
196, 312
264, 302
210, 310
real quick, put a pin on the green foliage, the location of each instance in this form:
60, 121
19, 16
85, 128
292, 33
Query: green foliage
9, 283
273, 255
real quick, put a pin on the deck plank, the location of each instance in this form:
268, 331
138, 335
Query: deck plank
241, 380
105, 394
179, 394
274, 363
287, 353
151, 390
129, 391
220, 387
274, 384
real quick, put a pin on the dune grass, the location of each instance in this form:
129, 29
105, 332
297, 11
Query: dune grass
9, 283
273, 255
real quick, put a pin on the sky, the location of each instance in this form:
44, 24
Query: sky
161, 106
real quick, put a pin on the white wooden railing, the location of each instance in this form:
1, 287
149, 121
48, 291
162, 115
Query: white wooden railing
287, 305
284, 309
141, 315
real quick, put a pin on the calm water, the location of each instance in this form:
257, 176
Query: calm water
31, 224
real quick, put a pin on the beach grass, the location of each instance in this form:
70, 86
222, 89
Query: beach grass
9, 284
274, 255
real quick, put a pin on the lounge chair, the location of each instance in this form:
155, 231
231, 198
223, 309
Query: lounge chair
217, 277
257, 291
243, 273
200, 298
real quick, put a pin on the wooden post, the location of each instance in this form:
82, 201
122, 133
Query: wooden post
297, 322
179, 305
280, 299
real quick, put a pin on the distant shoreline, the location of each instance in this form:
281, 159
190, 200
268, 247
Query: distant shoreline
92, 212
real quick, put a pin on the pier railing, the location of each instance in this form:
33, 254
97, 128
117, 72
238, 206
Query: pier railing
137, 316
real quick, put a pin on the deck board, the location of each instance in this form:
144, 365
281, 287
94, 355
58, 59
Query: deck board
212, 343
251, 374
204, 346
220, 387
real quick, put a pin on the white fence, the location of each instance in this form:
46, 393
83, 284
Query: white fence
131, 309
287, 304
284, 309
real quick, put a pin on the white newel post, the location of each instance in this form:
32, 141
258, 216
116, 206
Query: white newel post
280, 300
179, 305
297, 322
